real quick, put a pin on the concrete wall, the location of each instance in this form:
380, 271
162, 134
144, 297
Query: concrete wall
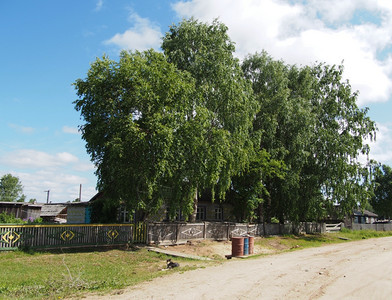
181, 232
378, 227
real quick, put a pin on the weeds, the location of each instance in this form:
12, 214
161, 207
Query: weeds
49, 275
46, 275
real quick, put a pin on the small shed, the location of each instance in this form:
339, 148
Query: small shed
364, 217
54, 213
22, 210
79, 213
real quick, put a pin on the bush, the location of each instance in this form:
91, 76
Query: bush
6, 218
9, 218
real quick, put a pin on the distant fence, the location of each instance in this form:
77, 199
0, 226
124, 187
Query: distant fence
172, 233
64, 236
377, 227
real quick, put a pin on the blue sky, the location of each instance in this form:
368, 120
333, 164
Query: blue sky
46, 45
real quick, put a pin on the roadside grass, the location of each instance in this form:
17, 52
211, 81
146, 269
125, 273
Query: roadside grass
59, 274
278, 244
55, 275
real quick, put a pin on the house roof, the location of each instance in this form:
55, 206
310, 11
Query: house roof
52, 210
96, 196
4, 203
365, 213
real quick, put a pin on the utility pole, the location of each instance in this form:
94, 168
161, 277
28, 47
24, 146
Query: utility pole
80, 193
47, 197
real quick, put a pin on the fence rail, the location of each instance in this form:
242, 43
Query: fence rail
78, 235
172, 233
334, 227
377, 227
64, 236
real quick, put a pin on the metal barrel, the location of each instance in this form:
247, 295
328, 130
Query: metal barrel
237, 246
251, 244
246, 246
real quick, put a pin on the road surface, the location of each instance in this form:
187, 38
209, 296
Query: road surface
353, 270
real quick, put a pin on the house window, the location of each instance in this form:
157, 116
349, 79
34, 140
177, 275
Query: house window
201, 213
123, 215
178, 217
218, 213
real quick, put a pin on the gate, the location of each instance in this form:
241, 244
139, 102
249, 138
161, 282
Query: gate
333, 227
139, 233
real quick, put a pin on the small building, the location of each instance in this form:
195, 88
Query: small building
54, 213
78, 213
22, 210
364, 217
206, 211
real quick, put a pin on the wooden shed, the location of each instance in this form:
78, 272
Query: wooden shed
22, 210
54, 213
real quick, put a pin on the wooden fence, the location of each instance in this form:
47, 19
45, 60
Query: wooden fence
85, 235
173, 233
377, 227
64, 236
334, 227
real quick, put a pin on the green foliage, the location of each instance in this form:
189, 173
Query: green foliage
216, 137
10, 219
309, 121
11, 189
382, 199
104, 210
271, 138
134, 110
6, 218
161, 127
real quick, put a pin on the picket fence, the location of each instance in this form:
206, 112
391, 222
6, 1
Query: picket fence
64, 236
96, 235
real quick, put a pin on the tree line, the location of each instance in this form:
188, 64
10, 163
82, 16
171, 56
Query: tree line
273, 139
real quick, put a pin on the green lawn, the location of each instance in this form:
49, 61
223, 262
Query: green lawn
292, 242
51, 275
54, 275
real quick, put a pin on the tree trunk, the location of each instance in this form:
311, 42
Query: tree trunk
195, 203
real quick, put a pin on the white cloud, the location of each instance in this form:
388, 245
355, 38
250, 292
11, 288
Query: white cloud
65, 158
142, 36
28, 158
99, 5
71, 130
63, 187
305, 33
84, 167
22, 129
381, 149
61, 173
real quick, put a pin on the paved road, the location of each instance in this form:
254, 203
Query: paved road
353, 270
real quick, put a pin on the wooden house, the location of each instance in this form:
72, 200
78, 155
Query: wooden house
22, 210
206, 211
364, 217
78, 213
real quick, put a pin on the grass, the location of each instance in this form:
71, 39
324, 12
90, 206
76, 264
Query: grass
56, 274
278, 244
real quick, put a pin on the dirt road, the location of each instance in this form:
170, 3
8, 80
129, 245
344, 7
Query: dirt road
354, 270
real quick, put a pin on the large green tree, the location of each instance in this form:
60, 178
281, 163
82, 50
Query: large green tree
170, 126
11, 189
309, 121
342, 134
217, 134
134, 110
382, 199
